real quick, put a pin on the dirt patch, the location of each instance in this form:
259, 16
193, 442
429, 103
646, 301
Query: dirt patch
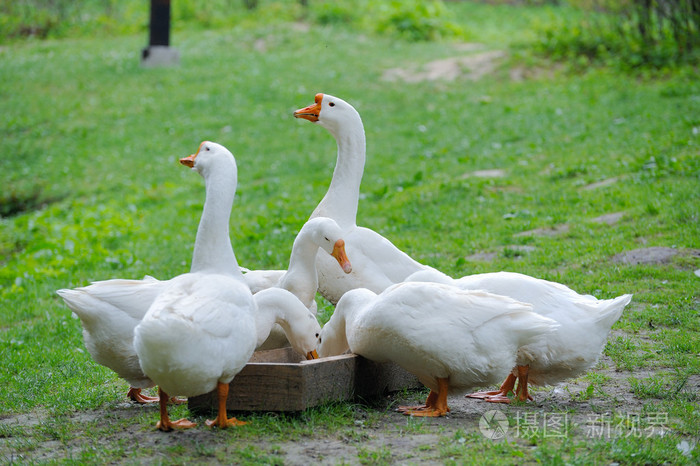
549, 231
601, 184
654, 255
471, 67
514, 251
609, 219
378, 429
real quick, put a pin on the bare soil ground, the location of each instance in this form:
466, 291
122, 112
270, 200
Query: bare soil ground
570, 410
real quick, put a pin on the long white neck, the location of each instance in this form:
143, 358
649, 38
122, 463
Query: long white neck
340, 202
276, 307
266, 314
301, 278
334, 340
351, 306
212, 248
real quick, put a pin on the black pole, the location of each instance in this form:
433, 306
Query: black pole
160, 23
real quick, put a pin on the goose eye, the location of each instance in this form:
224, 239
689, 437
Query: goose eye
317, 335
331, 104
206, 148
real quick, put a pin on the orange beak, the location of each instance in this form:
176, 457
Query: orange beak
312, 355
189, 160
311, 112
341, 257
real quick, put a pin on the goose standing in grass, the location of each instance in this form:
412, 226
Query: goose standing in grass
377, 263
109, 310
452, 340
202, 329
573, 348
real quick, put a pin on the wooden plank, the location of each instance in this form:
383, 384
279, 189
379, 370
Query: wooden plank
282, 380
376, 379
279, 355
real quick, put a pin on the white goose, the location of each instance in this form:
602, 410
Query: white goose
377, 263
203, 327
319, 234
109, 310
301, 277
451, 339
574, 347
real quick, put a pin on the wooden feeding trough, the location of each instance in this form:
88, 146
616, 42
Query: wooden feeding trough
282, 380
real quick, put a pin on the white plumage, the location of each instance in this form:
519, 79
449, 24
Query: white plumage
301, 276
203, 328
199, 331
109, 311
451, 339
584, 324
377, 263
318, 235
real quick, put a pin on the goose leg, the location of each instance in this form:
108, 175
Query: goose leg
497, 396
135, 394
221, 420
522, 393
438, 406
165, 424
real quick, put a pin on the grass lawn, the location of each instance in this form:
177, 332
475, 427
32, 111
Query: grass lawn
530, 168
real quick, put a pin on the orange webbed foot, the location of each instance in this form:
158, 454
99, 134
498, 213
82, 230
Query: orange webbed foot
435, 405
403, 409
501, 394
136, 395
231, 422
485, 395
179, 424
428, 412
500, 398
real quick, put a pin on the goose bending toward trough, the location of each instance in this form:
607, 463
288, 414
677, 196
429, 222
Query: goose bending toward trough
584, 323
452, 340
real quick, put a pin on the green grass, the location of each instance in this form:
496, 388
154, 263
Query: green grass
91, 178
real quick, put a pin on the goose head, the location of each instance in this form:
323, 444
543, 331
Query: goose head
304, 334
327, 235
277, 305
206, 157
331, 112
